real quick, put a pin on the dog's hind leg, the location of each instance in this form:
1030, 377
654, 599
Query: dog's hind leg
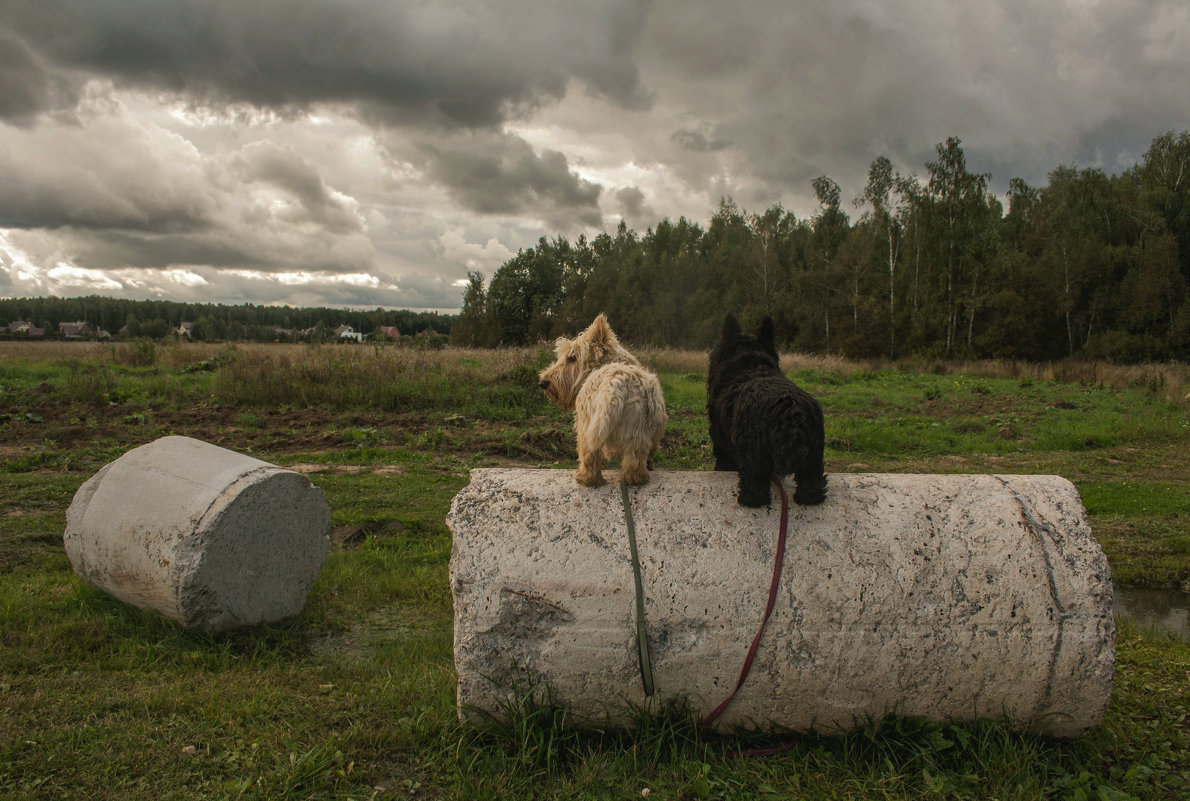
753, 454
633, 470
756, 477
754, 492
811, 488
590, 464
809, 470
722, 448
593, 413
724, 459
811, 480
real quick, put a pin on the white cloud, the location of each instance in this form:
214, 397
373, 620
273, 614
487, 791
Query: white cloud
485, 258
67, 276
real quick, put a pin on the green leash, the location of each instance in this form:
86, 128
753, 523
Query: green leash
642, 641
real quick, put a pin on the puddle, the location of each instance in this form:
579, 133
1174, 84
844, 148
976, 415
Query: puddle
1163, 610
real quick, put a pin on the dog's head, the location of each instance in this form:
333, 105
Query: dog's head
734, 345
577, 357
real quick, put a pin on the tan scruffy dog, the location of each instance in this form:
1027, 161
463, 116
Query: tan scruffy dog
618, 406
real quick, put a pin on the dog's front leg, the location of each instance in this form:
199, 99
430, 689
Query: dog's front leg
723, 451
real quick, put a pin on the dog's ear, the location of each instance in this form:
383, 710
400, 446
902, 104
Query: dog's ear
731, 328
600, 334
766, 337
599, 329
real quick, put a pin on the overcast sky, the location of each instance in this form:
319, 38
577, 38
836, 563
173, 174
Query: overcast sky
371, 152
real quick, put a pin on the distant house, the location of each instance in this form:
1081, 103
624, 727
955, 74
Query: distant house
280, 333
25, 327
347, 332
76, 330
389, 332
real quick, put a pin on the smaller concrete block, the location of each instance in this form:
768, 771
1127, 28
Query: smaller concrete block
205, 536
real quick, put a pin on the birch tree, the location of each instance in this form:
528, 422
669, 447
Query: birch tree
876, 195
960, 215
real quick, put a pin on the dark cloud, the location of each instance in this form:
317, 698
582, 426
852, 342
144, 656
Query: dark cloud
285, 169
632, 204
800, 90
699, 140
503, 174
465, 63
107, 174
27, 85
265, 249
381, 149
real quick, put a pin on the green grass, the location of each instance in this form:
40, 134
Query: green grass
1143, 499
355, 697
686, 391
889, 412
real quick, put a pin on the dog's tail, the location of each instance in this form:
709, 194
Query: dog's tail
597, 431
628, 409
597, 422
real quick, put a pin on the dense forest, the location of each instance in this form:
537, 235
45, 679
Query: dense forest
1090, 265
156, 319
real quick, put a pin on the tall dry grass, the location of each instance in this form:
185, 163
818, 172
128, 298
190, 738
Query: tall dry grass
1168, 381
490, 382
169, 354
669, 360
324, 367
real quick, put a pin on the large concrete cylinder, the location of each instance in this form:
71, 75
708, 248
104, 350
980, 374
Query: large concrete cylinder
940, 596
205, 536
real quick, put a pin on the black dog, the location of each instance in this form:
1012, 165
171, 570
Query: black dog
762, 424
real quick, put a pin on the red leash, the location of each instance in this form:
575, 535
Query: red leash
768, 610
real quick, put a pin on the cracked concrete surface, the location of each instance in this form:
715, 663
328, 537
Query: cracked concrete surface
940, 596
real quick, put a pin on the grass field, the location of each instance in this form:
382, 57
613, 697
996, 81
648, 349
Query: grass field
355, 697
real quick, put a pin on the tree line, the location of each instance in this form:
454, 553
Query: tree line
1089, 265
214, 322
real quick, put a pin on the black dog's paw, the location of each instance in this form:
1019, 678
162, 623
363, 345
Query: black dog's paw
753, 497
810, 493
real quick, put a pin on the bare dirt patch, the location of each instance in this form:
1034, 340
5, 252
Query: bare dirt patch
80, 427
314, 469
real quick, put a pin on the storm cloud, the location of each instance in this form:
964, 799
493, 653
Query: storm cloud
364, 152
495, 173
465, 63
